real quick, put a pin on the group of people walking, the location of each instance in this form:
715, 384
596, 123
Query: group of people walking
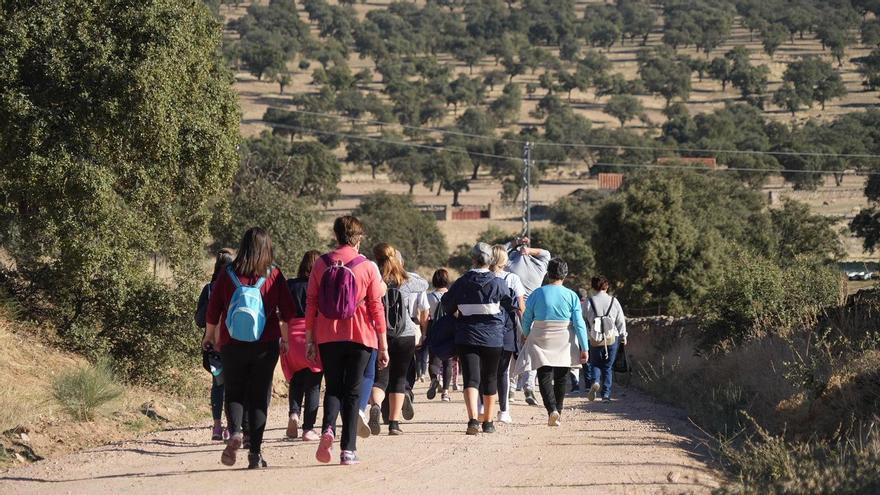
358, 325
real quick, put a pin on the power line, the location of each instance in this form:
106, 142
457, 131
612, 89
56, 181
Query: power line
569, 162
678, 150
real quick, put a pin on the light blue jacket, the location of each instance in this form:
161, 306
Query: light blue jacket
556, 303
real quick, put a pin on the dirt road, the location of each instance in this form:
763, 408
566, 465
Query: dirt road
632, 445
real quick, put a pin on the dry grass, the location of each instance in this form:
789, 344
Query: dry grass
28, 369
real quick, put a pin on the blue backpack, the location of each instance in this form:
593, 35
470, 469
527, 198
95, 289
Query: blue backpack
245, 317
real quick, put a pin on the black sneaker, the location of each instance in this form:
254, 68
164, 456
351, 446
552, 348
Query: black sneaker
530, 398
408, 411
375, 414
488, 427
256, 461
606, 400
473, 427
394, 428
432, 390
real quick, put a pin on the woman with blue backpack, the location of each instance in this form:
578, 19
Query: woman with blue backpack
243, 322
211, 360
345, 321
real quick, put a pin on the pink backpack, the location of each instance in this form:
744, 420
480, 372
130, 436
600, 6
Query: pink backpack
338, 293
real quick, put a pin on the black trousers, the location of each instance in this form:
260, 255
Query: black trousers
344, 365
392, 378
248, 368
305, 396
479, 366
552, 382
441, 369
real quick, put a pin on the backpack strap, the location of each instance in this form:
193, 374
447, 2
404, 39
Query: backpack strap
357, 260
262, 280
233, 276
593, 306
610, 305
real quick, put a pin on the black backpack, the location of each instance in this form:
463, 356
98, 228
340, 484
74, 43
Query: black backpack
396, 317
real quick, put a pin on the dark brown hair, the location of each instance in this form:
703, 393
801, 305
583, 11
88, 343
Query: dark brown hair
255, 255
557, 269
389, 264
349, 230
440, 280
599, 283
224, 257
306, 264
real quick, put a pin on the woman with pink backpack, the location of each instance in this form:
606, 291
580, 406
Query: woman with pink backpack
345, 321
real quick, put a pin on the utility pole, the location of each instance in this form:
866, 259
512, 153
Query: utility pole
527, 180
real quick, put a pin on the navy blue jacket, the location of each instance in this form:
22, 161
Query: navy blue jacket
482, 302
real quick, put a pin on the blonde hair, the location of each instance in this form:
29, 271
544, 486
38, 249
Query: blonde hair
499, 258
389, 264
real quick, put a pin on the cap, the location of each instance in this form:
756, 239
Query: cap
482, 253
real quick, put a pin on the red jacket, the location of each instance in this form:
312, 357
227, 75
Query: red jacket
276, 299
368, 321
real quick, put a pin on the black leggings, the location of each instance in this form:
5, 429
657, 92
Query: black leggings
248, 369
552, 382
305, 384
479, 366
441, 368
344, 365
392, 378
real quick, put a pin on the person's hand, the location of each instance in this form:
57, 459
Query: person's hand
311, 352
421, 342
285, 345
623, 340
585, 356
207, 343
383, 358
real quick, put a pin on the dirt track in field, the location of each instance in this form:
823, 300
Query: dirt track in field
632, 445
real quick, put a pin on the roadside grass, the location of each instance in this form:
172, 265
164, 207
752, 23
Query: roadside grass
83, 391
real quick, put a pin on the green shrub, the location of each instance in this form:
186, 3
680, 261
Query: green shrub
755, 295
81, 392
394, 219
290, 222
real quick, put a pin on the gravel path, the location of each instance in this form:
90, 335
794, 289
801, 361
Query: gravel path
632, 445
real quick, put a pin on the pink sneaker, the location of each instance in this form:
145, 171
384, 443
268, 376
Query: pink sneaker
325, 448
310, 436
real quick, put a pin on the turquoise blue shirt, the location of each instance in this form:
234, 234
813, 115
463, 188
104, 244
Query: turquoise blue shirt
556, 303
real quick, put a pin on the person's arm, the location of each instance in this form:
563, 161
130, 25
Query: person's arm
312, 300
202, 307
620, 322
216, 307
529, 315
577, 322
286, 307
376, 313
541, 254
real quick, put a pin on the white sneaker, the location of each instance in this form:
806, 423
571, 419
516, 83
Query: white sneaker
504, 417
554, 420
363, 426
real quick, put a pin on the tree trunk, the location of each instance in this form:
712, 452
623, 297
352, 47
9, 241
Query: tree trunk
373, 167
455, 198
411, 187
476, 169
838, 179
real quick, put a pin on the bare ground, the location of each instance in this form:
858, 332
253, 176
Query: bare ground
632, 445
